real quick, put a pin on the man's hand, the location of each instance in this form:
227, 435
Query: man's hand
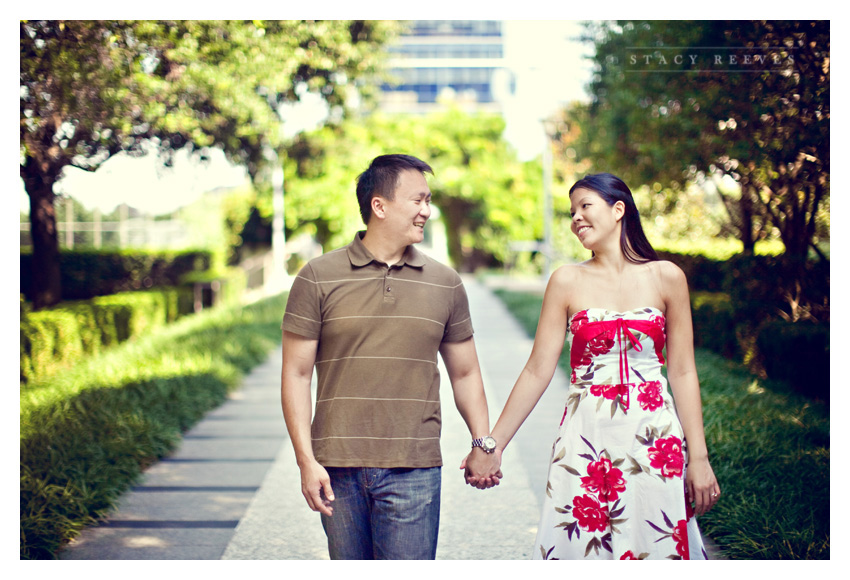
316, 487
482, 470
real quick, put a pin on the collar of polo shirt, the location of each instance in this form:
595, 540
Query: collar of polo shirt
360, 256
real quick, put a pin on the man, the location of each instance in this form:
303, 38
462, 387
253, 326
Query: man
371, 317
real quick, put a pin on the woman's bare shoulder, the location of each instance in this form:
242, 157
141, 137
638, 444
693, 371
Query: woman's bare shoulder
566, 275
668, 272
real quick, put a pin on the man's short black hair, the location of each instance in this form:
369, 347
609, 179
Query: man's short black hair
381, 178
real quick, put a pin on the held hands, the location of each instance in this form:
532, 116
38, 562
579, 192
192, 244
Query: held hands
482, 470
316, 487
701, 486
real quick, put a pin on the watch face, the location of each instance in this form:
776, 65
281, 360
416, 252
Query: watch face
488, 443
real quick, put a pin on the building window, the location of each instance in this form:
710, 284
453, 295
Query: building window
455, 28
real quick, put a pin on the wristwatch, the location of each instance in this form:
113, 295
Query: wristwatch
487, 444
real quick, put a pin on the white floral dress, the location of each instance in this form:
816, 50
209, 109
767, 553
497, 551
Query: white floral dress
616, 481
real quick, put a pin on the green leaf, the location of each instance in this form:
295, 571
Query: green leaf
569, 469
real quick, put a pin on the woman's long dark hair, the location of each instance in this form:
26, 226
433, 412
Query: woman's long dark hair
636, 248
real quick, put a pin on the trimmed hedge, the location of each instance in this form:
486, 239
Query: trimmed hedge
741, 307
797, 353
704, 274
755, 285
87, 434
714, 324
89, 273
55, 338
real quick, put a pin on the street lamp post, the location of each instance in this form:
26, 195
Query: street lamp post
547, 201
278, 232
276, 281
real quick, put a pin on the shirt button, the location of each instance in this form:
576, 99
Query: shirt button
389, 289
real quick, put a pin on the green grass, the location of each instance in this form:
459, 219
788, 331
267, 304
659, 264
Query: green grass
717, 248
88, 432
769, 449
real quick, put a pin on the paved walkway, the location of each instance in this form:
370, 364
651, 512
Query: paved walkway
232, 489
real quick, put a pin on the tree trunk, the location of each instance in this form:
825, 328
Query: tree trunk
46, 280
454, 214
748, 227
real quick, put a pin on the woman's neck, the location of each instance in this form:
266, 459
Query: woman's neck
610, 258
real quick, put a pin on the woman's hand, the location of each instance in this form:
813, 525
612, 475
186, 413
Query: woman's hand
482, 470
701, 486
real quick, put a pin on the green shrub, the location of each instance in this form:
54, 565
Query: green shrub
760, 290
797, 353
714, 323
230, 284
703, 273
89, 273
52, 339
87, 433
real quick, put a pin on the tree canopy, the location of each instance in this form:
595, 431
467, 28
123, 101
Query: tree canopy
91, 89
744, 99
486, 197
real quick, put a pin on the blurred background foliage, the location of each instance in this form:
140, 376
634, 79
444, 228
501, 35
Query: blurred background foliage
486, 197
709, 156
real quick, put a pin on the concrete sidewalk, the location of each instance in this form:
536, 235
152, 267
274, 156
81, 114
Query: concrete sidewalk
232, 490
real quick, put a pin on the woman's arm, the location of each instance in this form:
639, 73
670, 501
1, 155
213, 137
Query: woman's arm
461, 360
701, 484
541, 365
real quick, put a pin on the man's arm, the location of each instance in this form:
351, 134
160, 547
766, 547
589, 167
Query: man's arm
461, 360
299, 357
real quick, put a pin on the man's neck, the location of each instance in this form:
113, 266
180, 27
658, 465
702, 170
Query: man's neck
384, 250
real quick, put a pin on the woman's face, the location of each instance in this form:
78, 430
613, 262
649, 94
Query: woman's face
593, 220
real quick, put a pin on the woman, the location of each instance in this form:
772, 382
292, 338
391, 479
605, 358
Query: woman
623, 482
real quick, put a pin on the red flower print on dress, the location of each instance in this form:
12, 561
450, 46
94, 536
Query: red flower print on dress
628, 556
605, 480
649, 396
680, 535
689, 508
579, 319
591, 516
601, 344
667, 456
585, 359
607, 391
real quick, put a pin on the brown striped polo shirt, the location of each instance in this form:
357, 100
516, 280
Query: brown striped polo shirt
379, 330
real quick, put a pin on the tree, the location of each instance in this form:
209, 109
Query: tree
91, 89
748, 99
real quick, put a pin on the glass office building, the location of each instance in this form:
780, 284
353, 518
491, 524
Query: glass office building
454, 60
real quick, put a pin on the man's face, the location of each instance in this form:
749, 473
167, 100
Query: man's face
407, 213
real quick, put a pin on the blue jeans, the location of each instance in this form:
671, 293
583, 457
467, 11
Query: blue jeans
383, 514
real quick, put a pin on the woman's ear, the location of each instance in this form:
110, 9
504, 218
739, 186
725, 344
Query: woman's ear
619, 210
